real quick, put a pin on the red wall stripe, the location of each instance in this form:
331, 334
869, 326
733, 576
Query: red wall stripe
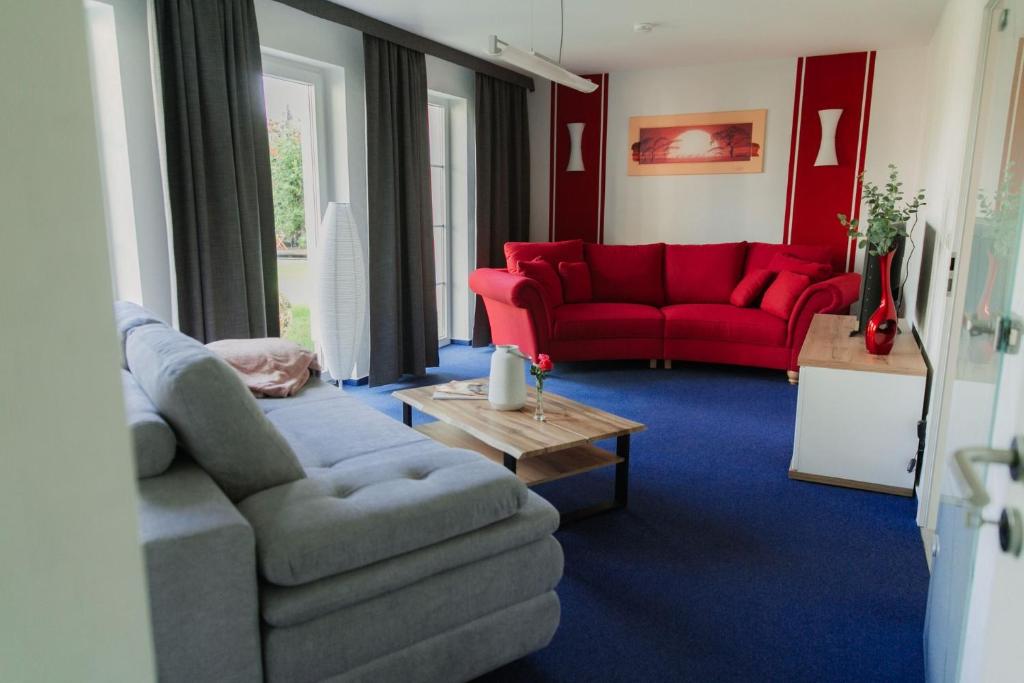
576, 208
798, 89
869, 82
551, 164
817, 193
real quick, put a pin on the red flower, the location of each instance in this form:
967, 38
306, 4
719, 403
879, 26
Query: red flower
544, 363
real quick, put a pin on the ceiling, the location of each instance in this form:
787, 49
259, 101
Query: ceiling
599, 34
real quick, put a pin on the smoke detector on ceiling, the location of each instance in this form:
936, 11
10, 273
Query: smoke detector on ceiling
643, 27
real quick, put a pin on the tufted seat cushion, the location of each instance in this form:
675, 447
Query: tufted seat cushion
374, 507
325, 427
608, 321
724, 323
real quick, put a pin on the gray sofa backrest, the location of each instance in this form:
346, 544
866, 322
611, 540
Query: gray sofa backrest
214, 415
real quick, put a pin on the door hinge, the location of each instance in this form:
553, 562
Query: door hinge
1004, 19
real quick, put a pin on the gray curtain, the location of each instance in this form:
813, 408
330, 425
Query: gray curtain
218, 168
403, 308
502, 179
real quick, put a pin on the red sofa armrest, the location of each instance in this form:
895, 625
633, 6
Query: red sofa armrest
516, 307
830, 296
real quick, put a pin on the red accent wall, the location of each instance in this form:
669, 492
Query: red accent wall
817, 193
576, 198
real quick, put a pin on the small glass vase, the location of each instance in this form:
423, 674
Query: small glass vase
538, 411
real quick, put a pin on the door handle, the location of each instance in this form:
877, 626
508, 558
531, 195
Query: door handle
966, 457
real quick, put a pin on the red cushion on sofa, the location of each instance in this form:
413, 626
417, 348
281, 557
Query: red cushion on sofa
781, 296
760, 254
724, 323
702, 273
544, 273
608, 321
552, 252
626, 273
576, 287
751, 287
816, 271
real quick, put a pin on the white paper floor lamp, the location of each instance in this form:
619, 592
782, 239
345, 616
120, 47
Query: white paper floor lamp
341, 289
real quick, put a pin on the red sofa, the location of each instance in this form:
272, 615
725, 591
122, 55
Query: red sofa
658, 301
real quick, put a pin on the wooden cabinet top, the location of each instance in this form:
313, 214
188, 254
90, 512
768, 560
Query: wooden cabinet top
829, 345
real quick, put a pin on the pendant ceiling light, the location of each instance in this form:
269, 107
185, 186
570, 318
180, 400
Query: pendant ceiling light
539, 65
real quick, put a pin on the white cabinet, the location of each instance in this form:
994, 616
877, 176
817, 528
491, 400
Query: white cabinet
857, 414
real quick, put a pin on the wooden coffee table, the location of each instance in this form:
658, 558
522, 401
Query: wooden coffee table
538, 452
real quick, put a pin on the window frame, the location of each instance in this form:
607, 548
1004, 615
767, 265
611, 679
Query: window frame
445, 334
276, 66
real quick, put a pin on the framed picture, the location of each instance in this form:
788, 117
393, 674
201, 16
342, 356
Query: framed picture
685, 144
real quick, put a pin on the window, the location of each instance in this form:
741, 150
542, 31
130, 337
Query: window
437, 121
291, 101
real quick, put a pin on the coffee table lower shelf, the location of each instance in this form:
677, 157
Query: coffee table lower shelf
539, 469
546, 467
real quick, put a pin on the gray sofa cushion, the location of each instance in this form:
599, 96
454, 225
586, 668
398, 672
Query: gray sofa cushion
374, 507
322, 433
215, 417
469, 651
356, 635
128, 316
152, 439
288, 606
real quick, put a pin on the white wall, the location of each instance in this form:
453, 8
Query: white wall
147, 183
699, 208
896, 135
950, 79
538, 105
717, 208
72, 596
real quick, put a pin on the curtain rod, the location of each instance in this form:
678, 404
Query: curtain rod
379, 29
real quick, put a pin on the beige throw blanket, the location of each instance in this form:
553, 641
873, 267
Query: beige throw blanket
270, 366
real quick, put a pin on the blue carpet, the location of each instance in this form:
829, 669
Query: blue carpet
722, 568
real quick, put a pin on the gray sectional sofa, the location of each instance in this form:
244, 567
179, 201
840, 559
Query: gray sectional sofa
315, 539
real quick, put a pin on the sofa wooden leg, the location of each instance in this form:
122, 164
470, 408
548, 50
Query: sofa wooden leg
793, 375
654, 363
668, 363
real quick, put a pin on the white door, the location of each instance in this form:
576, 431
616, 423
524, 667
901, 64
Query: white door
976, 597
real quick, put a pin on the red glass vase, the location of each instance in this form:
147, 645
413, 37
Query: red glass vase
880, 334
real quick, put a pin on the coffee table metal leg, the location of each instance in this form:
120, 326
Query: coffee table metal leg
509, 461
621, 488
407, 414
622, 470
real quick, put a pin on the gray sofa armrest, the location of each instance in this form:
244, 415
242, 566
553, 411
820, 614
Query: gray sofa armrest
201, 570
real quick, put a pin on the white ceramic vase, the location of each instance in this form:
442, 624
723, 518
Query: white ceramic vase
506, 389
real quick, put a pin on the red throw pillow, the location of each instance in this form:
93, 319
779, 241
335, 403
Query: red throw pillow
544, 273
576, 287
816, 271
783, 293
751, 287
552, 252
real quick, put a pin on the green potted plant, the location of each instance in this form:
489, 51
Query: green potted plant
888, 213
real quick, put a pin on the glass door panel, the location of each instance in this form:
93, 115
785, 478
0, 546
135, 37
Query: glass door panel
993, 223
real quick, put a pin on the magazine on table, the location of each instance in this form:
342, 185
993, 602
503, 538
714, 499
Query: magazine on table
461, 390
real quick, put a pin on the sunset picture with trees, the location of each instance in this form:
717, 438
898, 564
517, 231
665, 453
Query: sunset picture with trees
718, 142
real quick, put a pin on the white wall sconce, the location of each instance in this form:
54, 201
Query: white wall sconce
827, 149
575, 146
